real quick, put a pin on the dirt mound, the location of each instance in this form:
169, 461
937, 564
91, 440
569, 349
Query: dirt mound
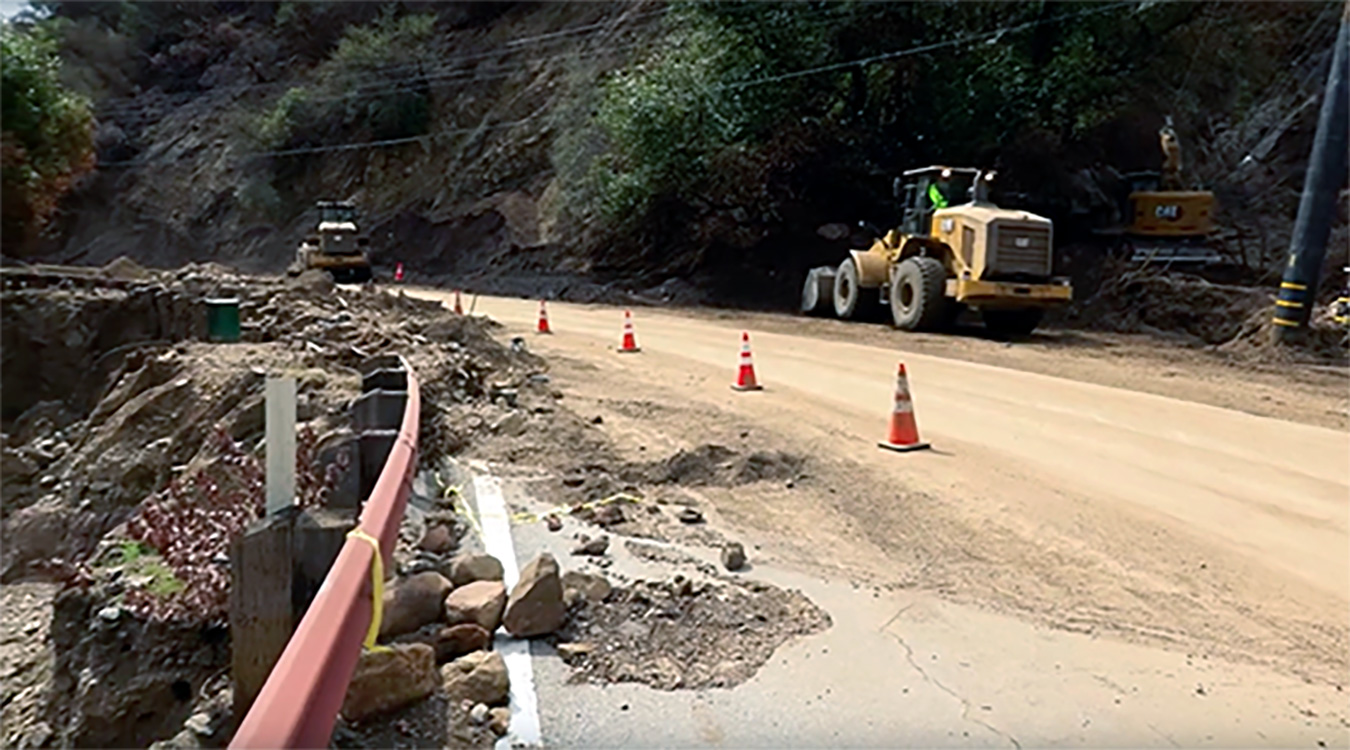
1323, 342
678, 634
716, 465
126, 269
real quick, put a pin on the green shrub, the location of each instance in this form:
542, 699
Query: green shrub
370, 87
48, 131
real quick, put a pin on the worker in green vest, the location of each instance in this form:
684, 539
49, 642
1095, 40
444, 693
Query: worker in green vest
937, 190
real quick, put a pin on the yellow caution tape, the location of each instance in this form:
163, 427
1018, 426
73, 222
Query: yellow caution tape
458, 504
377, 587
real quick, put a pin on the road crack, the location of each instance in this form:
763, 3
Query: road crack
965, 704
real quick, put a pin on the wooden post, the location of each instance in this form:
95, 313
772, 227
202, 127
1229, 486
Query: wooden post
261, 613
318, 537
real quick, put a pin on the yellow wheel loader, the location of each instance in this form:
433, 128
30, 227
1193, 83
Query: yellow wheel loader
335, 245
954, 249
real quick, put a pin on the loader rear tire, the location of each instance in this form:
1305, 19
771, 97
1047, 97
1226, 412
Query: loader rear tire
846, 290
919, 294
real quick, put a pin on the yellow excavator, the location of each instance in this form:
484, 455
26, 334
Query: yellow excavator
336, 245
953, 249
1168, 223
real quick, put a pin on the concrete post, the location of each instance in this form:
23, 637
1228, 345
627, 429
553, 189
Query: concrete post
280, 396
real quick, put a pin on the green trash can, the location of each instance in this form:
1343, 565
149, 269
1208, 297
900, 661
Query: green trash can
222, 319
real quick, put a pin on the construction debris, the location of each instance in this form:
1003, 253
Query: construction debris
679, 634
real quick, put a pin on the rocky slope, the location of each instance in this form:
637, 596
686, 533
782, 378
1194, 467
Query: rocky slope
479, 199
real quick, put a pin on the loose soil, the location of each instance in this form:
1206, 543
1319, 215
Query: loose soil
682, 635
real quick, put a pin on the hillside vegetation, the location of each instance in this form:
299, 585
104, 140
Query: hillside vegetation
695, 146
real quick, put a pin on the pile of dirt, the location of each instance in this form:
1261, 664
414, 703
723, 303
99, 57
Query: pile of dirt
679, 634
1231, 315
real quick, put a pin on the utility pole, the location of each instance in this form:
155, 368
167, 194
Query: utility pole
1317, 208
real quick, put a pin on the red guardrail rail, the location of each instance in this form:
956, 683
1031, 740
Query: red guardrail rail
299, 703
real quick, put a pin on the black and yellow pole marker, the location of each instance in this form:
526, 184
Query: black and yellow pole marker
1317, 207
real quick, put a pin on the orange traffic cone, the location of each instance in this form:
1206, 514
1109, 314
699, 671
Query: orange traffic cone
459, 309
745, 378
398, 272
904, 431
543, 318
629, 337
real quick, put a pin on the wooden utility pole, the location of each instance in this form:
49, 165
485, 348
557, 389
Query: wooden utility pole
1317, 208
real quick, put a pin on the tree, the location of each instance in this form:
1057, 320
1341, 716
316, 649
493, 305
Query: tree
46, 132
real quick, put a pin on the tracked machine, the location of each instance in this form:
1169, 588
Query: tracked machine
336, 245
944, 258
1167, 222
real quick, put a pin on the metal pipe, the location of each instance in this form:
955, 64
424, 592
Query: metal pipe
1317, 207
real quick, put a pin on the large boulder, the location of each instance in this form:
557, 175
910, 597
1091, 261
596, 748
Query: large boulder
535, 606
470, 567
480, 603
413, 602
387, 680
479, 677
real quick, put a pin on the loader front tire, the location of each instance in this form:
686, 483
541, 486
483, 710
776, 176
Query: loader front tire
918, 294
846, 290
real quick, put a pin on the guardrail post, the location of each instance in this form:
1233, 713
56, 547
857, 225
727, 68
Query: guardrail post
261, 615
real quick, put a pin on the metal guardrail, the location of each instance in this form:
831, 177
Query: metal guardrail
299, 703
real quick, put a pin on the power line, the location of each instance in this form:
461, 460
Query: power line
737, 85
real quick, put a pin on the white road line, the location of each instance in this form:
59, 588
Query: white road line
487, 491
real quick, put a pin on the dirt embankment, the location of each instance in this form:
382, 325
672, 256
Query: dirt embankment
133, 410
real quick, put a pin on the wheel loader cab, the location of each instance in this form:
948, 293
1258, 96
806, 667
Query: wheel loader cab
337, 229
955, 186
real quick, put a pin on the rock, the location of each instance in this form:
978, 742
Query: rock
110, 613
553, 522
199, 724
593, 587
16, 466
499, 720
733, 556
479, 677
38, 735
590, 546
689, 515
573, 650
479, 713
437, 540
458, 640
609, 515
480, 603
467, 568
413, 602
512, 424
386, 681
535, 606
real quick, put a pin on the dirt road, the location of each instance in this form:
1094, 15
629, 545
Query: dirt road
1089, 508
